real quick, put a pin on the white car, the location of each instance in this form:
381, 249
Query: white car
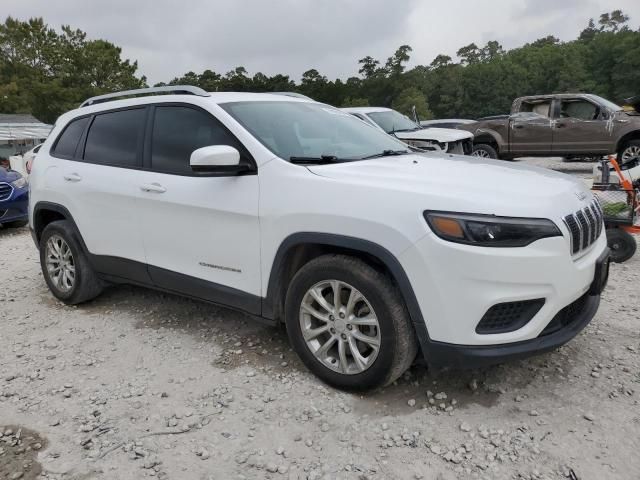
28, 158
447, 140
296, 212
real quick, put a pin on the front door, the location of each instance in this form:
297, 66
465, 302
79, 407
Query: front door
581, 127
201, 233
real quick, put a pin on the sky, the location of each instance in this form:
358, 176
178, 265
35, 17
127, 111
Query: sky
170, 38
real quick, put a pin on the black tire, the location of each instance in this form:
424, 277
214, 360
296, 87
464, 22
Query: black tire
16, 224
622, 244
484, 150
633, 144
398, 345
86, 284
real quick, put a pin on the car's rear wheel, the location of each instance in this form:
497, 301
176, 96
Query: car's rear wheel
484, 150
622, 244
65, 266
348, 323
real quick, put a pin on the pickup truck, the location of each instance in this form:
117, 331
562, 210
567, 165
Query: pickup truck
564, 125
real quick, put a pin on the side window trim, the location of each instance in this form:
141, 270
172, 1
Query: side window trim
147, 163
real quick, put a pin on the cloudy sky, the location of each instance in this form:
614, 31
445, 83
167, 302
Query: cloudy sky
169, 38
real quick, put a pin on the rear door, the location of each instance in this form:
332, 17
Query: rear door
100, 177
531, 130
581, 127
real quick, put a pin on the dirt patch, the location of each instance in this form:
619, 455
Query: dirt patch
19, 449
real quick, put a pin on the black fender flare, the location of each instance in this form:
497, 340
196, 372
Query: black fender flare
342, 241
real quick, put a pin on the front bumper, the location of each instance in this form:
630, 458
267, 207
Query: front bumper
16, 207
440, 354
455, 285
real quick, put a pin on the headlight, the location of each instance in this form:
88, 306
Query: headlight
19, 183
489, 230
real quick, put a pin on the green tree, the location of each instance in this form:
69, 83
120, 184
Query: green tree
396, 63
412, 97
47, 72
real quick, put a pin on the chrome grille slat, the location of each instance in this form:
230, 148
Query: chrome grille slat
585, 226
592, 224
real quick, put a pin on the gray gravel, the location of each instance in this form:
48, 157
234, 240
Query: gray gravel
141, 384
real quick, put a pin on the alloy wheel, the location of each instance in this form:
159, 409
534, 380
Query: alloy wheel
630, 153
60, 263
340, 327
481, 153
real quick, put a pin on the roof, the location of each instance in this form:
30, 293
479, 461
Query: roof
365, 110
18, 118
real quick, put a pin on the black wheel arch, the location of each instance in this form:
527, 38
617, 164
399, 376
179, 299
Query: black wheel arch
628, 137
46, 212
298, 248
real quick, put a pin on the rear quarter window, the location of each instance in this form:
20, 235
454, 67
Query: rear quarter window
67, 142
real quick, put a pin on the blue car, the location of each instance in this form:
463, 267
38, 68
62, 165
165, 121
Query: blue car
14, 199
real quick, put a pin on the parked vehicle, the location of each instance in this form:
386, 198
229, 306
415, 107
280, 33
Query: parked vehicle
402, 127
446, 123
14, 199
296, 212
561, 125
28, 157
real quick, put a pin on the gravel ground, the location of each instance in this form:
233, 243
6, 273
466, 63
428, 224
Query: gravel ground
141, 384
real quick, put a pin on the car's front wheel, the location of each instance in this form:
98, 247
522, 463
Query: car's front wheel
348, 323
484, 150
65, 266
630, 152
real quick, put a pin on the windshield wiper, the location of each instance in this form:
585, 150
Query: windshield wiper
386, 153
321, 160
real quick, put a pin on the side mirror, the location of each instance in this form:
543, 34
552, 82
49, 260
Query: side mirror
216, 159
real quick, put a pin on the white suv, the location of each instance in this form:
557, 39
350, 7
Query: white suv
296, 212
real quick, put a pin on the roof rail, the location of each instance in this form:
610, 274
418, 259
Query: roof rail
175, 89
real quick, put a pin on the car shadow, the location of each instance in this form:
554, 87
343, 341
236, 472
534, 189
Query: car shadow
243, 341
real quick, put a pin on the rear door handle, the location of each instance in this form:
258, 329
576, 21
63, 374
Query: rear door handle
73, 177
153, 187
518, 126
560, 125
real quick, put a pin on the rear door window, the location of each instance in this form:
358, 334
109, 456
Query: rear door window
179, 131
67, 142
115, 138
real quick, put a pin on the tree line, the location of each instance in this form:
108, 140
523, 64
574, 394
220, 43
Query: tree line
47, 72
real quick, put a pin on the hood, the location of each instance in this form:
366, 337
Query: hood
441, 135
466, 184
8, 175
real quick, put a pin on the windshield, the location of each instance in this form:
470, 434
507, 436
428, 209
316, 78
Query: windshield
392, 121
302, 129
606, 103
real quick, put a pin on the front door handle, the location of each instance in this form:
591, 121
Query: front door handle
519, 127
73, 177
560, 125
153, 187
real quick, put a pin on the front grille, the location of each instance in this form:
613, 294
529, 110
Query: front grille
5, 191
566, 316
585, 226
508, 317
